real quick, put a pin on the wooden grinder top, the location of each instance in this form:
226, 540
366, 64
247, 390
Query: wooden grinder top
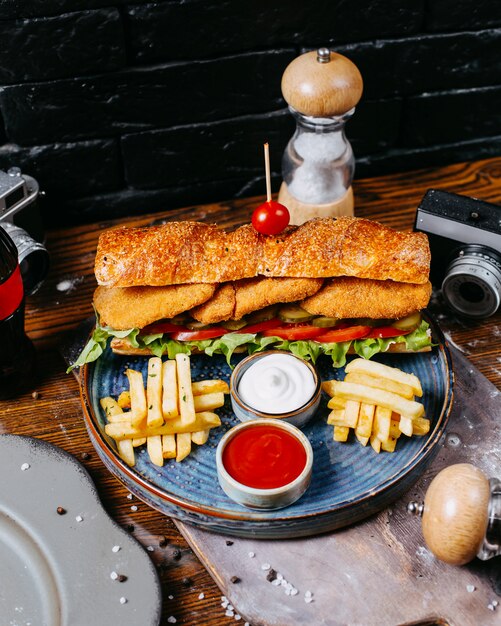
322, 84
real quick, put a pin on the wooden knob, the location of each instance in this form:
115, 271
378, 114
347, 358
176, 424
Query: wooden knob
455, 514
322, 84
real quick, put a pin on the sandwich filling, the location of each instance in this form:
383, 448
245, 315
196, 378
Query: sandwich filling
306, 316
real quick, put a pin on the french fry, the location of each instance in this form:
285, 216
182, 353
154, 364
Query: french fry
209, 386
420, 426
185, 395
126, 451
365, 419
375, 443
138, 406
405, 425
395, 427
382, 421
138, 441
169, 394
183, 442
363, 440
341, 433
208, 402
374, 368
154, 393
336, 403
113, 412
174, 426
371, 380
389, 444
125, 448
336, 418
351, 413
200, 437
386, 399
124, 400
169, 449
154, 446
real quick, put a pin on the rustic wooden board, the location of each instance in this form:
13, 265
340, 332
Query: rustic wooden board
378, 572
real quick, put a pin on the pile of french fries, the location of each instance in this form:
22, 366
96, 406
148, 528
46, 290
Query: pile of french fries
170, 414
377, 402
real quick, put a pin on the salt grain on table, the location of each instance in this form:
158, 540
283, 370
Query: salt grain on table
252, 555
470, 588
133, 507
201, 596
123, 600
79, 518
115, 548
172, 619
25, 466
113, 575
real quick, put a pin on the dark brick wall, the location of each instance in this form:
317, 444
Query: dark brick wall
121, 107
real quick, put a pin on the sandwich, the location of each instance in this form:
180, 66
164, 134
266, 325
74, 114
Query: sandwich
329, 286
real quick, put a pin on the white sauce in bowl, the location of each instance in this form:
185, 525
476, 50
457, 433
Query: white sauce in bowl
277, 383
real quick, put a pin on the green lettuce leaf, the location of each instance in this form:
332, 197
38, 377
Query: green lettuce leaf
227, 344
97, 343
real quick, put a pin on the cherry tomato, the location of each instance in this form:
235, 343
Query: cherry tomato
199, 335
383, 332
344, 334
161, 327
260, 326
293, 332
270, 218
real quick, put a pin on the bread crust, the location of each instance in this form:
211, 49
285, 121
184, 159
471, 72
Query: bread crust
194, 252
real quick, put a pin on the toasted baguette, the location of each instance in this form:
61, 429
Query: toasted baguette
194, 252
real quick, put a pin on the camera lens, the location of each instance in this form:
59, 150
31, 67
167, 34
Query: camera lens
33, 257
472, 282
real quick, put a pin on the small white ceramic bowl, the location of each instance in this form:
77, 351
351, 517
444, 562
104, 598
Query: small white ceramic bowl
254, 498
299, 417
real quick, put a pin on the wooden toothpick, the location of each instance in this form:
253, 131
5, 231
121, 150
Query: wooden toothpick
267, 171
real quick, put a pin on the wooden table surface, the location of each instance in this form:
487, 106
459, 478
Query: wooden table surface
65, 300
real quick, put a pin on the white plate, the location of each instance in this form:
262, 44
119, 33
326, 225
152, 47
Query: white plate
54, 569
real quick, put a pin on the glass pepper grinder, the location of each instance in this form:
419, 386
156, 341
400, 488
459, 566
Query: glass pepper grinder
322, 89
461, 515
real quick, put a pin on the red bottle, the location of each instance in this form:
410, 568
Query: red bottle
17, 355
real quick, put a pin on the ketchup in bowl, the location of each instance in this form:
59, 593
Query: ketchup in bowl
264, 457
264, 464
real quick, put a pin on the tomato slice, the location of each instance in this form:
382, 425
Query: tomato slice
162, 327
259, 326
383, 332
294, 332
344, 334
199, 335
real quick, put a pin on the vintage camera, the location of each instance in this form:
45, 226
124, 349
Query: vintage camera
20, 217
465, 243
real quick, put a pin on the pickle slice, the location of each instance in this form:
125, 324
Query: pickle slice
234, 324
294, 314
325, 322
194, 325
263, 315
411, 321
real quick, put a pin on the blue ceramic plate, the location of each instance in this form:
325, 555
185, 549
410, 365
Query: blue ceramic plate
349, 482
